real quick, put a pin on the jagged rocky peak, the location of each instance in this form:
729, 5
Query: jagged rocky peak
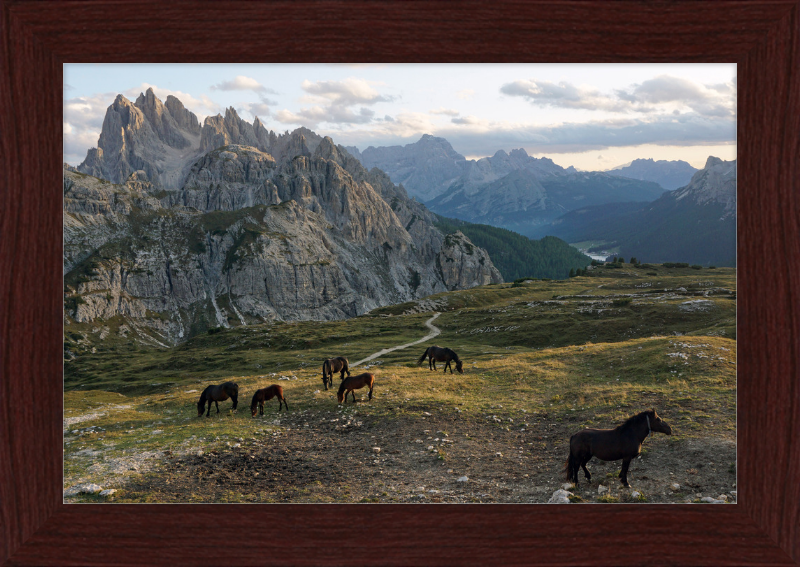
183, 116
161, 120
144, 136
715, 183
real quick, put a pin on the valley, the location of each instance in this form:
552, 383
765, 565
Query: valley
542, 360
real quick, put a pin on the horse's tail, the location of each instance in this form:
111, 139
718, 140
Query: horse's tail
569, 466
422, 358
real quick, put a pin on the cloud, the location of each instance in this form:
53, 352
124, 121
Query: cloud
446, 111
466, 94
334, 102
469, 120
660, 95
242, 83
347, 92
562, 95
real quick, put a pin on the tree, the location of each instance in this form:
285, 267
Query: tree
572, 272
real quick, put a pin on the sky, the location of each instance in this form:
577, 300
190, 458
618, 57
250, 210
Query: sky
591, 116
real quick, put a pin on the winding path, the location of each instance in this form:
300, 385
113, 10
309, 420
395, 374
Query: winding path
434, 331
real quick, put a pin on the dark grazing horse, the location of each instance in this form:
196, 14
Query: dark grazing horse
331, 365
354, 383
265, 394
623, 442
217, 394
438, 354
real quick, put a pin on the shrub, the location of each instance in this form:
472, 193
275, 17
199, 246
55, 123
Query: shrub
621, 302
697, 267
215, 330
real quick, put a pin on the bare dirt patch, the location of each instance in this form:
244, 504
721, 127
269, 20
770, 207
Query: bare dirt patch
330, 456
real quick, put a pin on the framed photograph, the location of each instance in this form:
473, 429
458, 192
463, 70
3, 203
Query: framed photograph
758, 526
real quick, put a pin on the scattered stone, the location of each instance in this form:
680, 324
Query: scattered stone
566, 485
723, 497
674, 486
601, 489
156, 431
560, 496
711, 500
89, 488
107, 492
635, 494
464, 478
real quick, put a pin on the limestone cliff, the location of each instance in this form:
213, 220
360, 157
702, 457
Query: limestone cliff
305, 232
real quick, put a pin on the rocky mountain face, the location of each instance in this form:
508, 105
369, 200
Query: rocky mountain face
249, 236
669, 174
425, 168
696, 223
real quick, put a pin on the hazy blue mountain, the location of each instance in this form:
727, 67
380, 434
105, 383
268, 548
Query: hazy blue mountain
669, 174
695, 224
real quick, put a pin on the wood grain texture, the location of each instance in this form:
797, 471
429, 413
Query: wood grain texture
39, 36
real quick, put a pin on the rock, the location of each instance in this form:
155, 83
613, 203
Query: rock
464, 478
723, 497
560, 496
566, 485
601, 489
635, 494
674, 486
710, 500
376, 449
107, 492
89, 488
200, 453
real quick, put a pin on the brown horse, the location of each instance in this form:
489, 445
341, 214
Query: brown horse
354, 383
331, 365
438, 354
217, 394
623, 442
265, 394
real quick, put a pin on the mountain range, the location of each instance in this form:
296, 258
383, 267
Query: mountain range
695, 223
669, 174
171, 228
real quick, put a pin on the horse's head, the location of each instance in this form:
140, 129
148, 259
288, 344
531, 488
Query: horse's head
459, 365
657, 424
201, 405
254, 406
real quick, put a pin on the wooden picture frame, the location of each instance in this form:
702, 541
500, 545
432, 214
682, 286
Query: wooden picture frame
763, 38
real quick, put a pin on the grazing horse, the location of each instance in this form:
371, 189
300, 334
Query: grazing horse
331, 365
354, 383
623, 442
438, 354
218, 394
265, 394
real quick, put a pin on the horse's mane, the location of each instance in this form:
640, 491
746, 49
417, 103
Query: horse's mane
633, 420
452, 353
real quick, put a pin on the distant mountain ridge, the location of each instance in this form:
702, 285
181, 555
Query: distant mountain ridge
669, 174
509, 190
695, 223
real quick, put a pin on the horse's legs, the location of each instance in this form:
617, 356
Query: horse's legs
216, 404
208, 413
623, 474
370, 393
585, 470
353, 393
446, 366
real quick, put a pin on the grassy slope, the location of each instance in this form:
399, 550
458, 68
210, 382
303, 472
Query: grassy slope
564, 349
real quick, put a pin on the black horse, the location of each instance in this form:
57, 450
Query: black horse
623, 442
331, 365
217, 394
439, 354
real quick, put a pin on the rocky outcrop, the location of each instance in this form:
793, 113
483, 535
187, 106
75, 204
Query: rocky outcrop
715, 183
464, 265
